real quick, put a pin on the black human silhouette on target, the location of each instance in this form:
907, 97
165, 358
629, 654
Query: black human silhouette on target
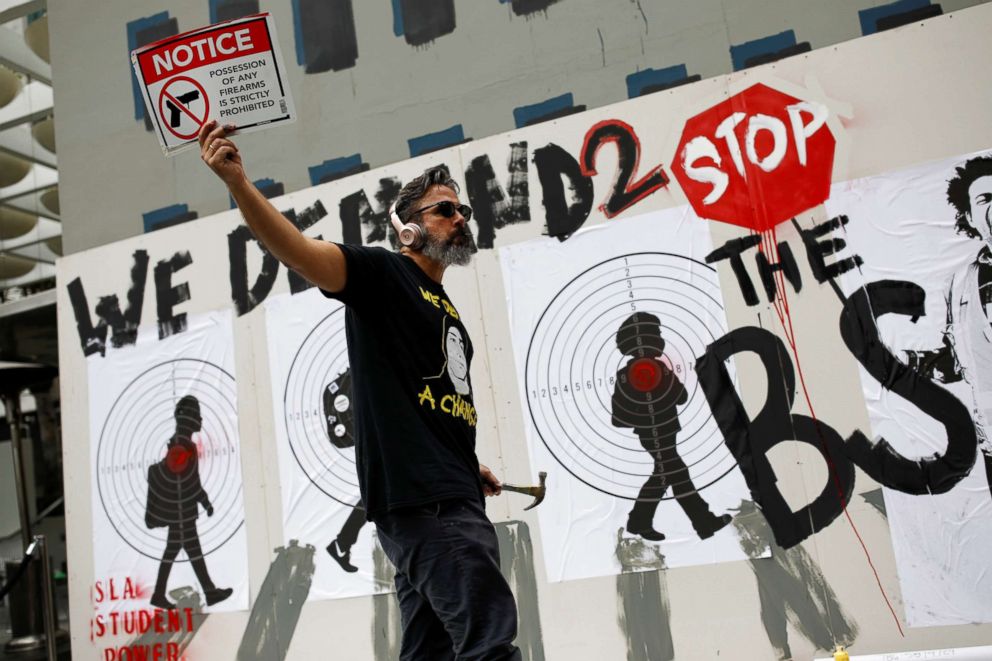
174, 496
340, 431
645, 398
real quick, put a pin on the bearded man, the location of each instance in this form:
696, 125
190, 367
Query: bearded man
420, 480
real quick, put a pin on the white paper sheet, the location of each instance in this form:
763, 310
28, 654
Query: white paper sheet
902, 225
133, 394
308, 357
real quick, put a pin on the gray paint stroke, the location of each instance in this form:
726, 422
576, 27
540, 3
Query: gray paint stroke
516, 553
277, 608
791, 589
644, 606
876, 499
386, 628
183, 598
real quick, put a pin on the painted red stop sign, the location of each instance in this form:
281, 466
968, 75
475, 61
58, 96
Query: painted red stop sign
757, 159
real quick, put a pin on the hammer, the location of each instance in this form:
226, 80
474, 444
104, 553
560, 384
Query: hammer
538, 492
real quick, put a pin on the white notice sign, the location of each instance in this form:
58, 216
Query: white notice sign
231, 72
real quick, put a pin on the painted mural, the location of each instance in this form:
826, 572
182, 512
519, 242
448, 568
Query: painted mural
646, 291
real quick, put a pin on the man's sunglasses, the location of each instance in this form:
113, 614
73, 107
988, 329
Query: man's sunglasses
447, 209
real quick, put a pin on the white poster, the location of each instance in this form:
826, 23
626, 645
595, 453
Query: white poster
311, 399
930, 225
168, 512
606, 328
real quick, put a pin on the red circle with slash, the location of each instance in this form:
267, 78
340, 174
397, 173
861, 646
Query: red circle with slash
171, 95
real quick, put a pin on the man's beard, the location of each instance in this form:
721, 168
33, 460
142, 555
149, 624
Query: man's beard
451, 252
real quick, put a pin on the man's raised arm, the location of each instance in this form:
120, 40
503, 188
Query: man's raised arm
320, 262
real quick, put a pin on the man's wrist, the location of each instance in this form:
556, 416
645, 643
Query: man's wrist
239, 184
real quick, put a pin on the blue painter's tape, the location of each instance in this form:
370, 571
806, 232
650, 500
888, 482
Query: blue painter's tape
133, 28
636, 82
397, 18
152, 219
334, 166
434, 141
740, 54
298, 34
268, 187
869, 17
525, 115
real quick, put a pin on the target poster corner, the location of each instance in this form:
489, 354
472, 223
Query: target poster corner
232, 72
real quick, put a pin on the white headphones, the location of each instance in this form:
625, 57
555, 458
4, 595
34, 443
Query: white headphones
409, 234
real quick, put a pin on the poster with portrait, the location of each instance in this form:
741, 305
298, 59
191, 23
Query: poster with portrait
168, 511
606, 329
938, 214
311, 400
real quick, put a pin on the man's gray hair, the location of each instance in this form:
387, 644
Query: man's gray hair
416, 189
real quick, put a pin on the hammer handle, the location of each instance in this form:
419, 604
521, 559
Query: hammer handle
530, 491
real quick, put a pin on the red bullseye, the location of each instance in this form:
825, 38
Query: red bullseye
178, 458
644, 374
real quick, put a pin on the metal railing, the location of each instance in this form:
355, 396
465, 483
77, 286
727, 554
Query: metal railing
39, 547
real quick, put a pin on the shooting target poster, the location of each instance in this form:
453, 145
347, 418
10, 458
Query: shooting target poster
605, 330
232, 72
940, 213
311, 398
168, 514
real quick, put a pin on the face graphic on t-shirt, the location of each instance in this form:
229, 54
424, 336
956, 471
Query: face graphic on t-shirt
454, 349
980, 206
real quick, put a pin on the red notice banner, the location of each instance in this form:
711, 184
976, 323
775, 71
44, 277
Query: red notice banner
200, 48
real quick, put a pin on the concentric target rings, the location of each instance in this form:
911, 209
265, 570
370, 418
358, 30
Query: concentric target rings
576, 376
136, 435
319, 364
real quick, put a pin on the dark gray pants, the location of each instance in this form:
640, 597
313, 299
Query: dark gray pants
454, 602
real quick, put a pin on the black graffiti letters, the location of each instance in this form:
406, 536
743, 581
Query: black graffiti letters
355, 211
303, 221
786, 263
169, 296
246, 299
859, 330
818, 250
563, 217
493, 206
108, 310
732, 250
751, 440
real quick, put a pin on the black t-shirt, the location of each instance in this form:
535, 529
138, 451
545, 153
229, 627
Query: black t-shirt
414, 415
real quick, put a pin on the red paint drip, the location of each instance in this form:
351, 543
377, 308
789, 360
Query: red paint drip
769, 246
